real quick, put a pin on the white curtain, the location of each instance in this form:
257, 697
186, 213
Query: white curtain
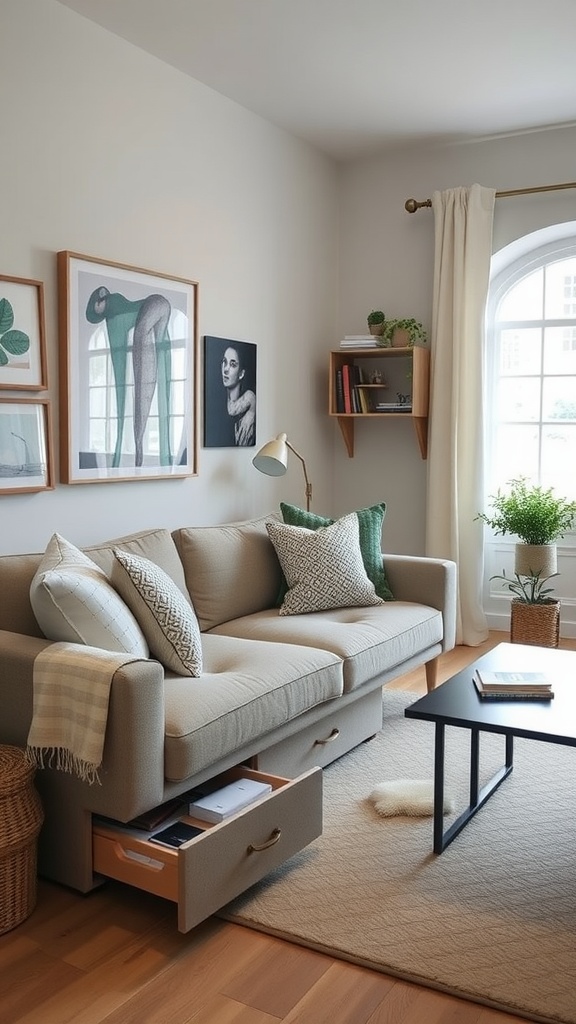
463, 220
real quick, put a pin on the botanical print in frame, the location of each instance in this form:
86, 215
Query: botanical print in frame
25, 445
128, 372
229, 393
22, 335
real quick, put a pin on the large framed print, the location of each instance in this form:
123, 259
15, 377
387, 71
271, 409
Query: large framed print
128, 372
25, 446
22, 335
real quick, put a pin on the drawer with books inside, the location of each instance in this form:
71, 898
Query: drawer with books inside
209, 845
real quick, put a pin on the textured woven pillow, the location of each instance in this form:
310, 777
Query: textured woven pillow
370, 522
167, 619
74, 601
323, 567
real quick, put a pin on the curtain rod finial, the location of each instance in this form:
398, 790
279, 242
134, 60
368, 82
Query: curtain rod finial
410, 206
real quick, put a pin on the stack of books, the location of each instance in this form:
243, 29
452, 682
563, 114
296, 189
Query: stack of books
512, 685
358, 341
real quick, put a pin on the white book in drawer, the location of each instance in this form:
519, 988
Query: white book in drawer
223, 802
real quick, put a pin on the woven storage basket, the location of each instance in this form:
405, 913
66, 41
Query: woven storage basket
20, 821
535, 624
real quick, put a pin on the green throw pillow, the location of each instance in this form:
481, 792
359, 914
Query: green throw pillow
370, 528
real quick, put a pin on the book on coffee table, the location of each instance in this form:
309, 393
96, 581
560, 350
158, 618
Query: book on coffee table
518, 685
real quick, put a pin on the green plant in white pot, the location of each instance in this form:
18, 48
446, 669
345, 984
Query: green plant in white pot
538, 517
375, 321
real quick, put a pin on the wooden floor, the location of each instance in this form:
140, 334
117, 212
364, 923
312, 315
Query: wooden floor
116, 956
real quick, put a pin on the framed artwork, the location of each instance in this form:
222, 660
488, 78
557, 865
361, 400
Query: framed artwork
22, 335
25, 445
229, 393
128, 372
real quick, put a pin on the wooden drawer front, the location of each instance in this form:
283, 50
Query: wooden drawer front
210, 870
323, 742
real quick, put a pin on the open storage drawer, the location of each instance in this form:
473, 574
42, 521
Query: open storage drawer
210, 870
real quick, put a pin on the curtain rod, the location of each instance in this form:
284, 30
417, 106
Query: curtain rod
411, 205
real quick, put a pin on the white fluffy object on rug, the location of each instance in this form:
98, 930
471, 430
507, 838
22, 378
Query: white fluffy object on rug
412, 797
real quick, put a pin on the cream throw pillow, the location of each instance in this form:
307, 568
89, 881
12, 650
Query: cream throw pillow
323, 568
167, 619
74, 601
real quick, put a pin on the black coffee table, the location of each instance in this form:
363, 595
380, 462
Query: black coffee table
456, 702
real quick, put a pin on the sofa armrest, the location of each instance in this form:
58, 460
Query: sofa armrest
132, 772
430, 581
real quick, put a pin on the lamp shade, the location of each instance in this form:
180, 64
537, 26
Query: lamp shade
272, 458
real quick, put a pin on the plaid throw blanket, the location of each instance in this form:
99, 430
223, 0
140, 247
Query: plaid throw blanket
71, 694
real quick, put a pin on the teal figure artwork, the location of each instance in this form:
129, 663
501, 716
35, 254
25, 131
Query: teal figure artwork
139, 326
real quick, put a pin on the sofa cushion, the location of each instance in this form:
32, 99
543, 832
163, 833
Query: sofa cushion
165, 617
246, 690
73, 601
157, 545
323, 567
370, 641
370, 521
230, 570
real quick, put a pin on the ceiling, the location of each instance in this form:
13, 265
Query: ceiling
359, 76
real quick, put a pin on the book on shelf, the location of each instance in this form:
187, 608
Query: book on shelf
512, 693
347, 388
361, 341
339, 391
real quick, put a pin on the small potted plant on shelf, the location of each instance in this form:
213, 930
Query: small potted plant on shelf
403, 333
375, 321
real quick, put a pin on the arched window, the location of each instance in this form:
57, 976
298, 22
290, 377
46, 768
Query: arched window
531, 369
530, 384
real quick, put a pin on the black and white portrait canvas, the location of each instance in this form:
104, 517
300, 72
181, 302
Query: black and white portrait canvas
229, 393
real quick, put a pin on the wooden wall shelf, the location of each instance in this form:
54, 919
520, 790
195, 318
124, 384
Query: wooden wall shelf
415, 370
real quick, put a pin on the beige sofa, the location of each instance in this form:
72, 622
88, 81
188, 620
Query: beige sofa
281, 692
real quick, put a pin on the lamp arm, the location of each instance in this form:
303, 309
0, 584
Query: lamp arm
308, 484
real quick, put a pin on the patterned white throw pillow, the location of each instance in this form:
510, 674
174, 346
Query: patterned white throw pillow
323, 568
167, 619
74, 601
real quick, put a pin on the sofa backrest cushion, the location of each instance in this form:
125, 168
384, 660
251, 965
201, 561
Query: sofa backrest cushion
231, 570
16, 574
157, 545
74, 601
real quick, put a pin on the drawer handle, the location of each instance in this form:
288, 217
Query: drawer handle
274, 837
329, 739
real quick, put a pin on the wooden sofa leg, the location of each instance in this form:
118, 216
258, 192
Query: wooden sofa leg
431, 673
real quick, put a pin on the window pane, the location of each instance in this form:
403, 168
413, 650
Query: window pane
516, 454
520, 350
561, 289
560, 350
559, 398
525, 300
558, 456
519, 399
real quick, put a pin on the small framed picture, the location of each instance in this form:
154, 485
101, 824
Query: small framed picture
22, 335
25, 446
128, 372
229, 393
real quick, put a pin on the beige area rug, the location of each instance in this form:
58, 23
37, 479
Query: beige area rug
492, 919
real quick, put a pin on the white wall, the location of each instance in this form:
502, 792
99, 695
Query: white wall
387, 263
108, 152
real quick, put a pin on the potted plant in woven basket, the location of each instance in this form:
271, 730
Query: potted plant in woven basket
538, 518
534, 614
